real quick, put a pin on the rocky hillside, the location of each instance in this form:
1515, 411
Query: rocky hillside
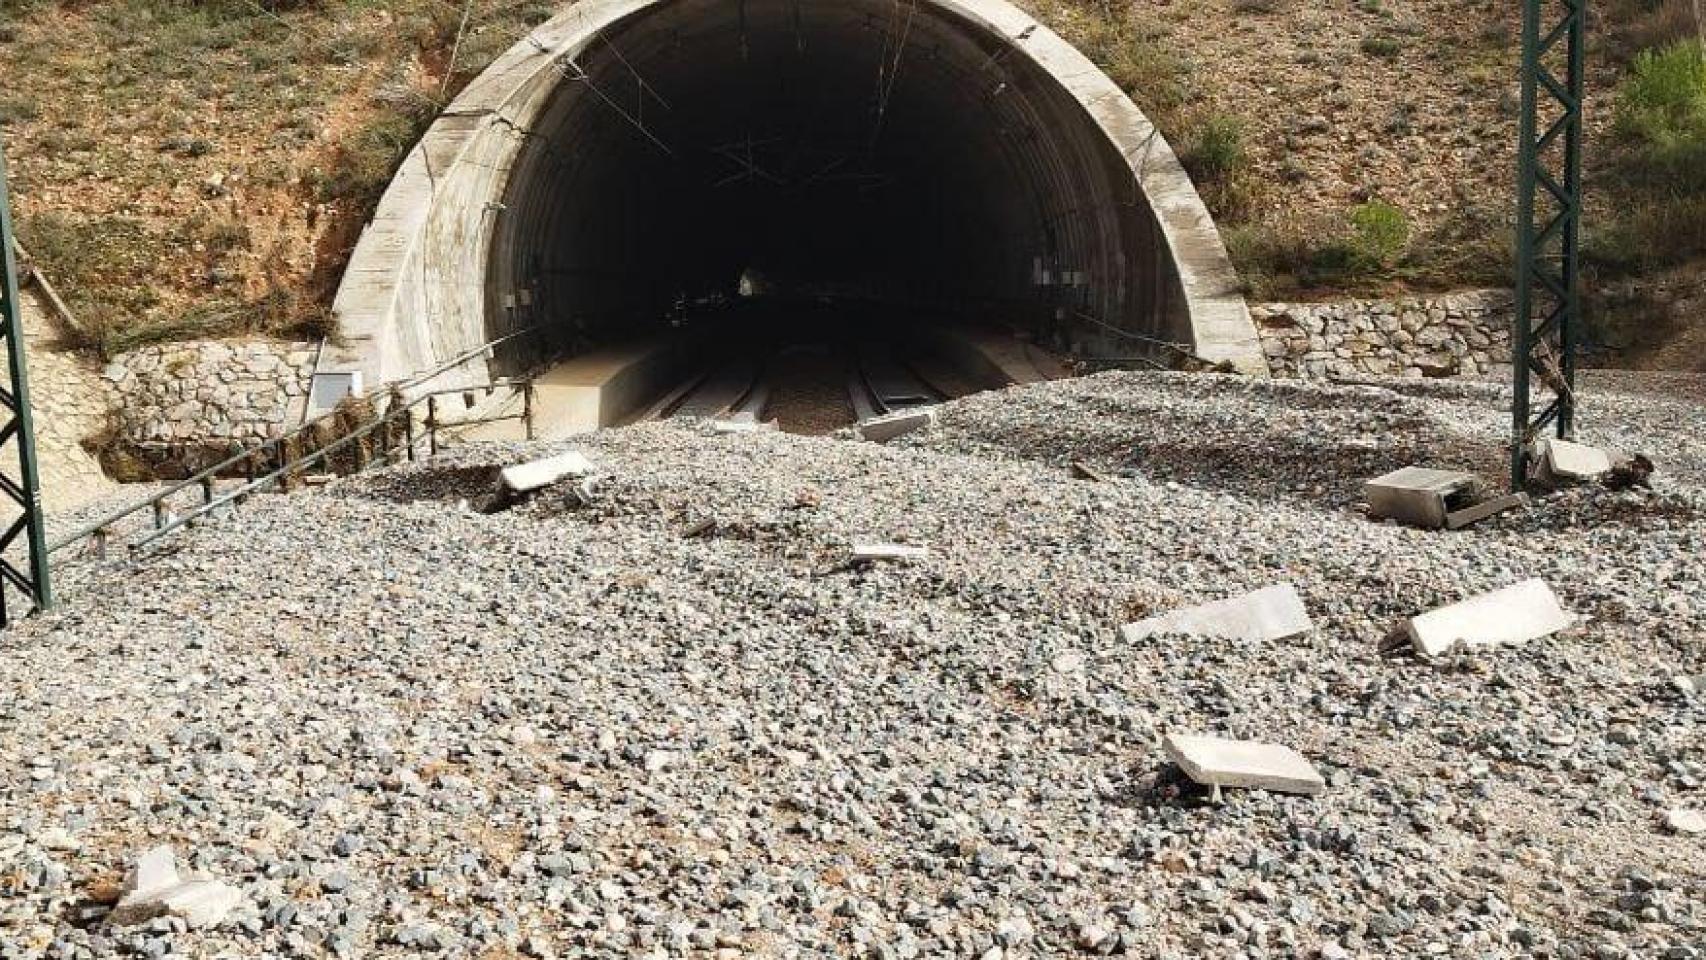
194, 168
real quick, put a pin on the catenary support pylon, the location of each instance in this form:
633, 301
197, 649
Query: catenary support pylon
1548, 323
21, 571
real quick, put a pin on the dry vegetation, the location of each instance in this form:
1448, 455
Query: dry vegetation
192, 168
185, 168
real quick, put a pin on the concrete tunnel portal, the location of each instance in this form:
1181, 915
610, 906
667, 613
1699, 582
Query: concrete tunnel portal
632, 164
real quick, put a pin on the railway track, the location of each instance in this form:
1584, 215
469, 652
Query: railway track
877, 379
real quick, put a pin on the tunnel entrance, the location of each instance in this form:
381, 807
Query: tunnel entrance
923, 162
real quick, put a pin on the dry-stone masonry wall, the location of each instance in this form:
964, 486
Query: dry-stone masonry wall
212, 390
1451, 335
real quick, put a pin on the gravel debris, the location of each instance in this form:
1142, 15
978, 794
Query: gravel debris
399, 726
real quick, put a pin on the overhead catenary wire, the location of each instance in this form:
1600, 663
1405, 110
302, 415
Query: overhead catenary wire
888, 70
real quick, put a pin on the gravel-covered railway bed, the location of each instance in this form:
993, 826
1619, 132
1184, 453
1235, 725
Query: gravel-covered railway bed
401, 726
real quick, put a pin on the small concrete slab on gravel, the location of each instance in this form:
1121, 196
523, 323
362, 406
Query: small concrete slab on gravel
743, 422
1682, 820
894, 552
1564, 460
1271, 613
1420, 496
1470, 516
155, 890
897, 424
538, 474
1218, 762
1514, 614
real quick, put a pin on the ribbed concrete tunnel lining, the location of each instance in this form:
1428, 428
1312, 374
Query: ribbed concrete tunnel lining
948, 157
863, 148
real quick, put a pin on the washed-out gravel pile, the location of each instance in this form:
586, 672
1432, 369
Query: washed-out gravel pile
398, 725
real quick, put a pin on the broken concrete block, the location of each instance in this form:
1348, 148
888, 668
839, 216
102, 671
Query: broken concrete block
1458, 519
1682, 820
897, 424
1514, 614
1421, 496
1217, 762
1085, 471
538, 474
155, 870
154, 889
1564, 460
1271, 613
743, 422
872, 552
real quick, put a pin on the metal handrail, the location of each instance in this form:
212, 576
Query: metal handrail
206, 477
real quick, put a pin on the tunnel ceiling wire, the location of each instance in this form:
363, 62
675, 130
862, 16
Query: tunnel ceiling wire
888, 72
639, 78
565, 64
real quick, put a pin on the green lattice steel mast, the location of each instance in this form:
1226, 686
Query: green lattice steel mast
23, 489
1548, 324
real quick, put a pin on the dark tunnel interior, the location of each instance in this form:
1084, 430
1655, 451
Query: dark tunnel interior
879, 152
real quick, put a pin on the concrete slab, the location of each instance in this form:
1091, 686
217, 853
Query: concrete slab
609, 386
1271, 613
1458, 519
1563, 460
743, 422
1421, 496
1218, 762
898, 424
538, 474
156, 869
899, 552
1514, 614
154, 889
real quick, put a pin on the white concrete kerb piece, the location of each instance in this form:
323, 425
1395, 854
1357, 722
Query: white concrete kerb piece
537, 474
1514, 614
897, 424
1572, 461
1218, 762
1271, 613
155, 889
743, 422
894, 552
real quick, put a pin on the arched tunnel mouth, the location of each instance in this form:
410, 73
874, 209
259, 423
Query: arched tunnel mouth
769, 180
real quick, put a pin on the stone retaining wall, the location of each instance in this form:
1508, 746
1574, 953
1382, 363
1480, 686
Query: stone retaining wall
211, 390
1443, 336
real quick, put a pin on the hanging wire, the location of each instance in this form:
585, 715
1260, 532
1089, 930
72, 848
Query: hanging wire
888, 72
579, 75
455, 50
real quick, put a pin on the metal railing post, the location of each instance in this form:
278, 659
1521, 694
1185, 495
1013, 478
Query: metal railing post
432, 426
527, 407
409, 434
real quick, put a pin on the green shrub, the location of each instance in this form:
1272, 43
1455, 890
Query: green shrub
1659, 214
1379, 234
1387, 47
14, 109
1282, 255
1215, 150
1663, 105
368, 157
